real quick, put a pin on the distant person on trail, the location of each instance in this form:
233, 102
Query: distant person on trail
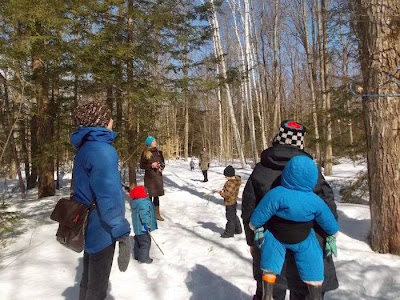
152, 161
204, 163
143, 221
192, 164
287, 143
296, 207
96, 178
230, 193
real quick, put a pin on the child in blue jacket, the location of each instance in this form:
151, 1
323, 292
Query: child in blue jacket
144, 221
291, 210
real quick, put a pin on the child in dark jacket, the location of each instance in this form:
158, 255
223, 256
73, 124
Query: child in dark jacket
143, 221
230, 193
296, 207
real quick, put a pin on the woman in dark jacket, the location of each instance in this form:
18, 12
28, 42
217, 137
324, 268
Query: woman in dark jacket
152, 161
288, 143
97, 180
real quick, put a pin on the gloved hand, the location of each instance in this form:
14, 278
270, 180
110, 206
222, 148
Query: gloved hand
124, 254
145, 228
330, 246
259, 237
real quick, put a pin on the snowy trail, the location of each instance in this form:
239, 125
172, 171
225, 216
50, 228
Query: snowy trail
197, 264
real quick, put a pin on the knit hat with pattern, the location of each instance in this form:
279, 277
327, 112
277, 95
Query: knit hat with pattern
290, 133
92, 114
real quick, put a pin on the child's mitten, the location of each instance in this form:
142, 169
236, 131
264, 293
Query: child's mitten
259, 237
124, 254
330, 246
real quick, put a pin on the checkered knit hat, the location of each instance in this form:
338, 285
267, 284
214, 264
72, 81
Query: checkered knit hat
290, 133
92, 114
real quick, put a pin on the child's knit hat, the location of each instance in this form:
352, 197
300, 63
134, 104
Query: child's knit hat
138, 192
229, 171
92, 114
290, 133
149, 140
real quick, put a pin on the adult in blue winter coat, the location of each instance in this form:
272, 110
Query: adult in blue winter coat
294, 201
287, 143
143, 221
97, 180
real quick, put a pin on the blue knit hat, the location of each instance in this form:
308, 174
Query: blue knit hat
149, 140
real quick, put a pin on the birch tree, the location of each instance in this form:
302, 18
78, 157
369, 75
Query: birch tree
220, 57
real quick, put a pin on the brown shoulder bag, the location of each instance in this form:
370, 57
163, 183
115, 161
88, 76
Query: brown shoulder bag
73, 217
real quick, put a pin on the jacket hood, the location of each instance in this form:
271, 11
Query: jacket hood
98, 134
300, 173
276, 157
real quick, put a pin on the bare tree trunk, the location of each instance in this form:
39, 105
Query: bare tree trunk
186, 97
132, 136
324, 73
9, 125
245, 86
217, 44
377, 27
277, 94
249, 71
45, 125
311, 78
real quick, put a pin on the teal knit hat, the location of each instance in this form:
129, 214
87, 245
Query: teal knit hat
149, 140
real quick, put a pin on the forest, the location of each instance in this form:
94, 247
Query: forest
216, 74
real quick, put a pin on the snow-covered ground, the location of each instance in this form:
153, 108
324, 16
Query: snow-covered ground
197, 264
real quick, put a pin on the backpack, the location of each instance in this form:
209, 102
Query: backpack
72, 217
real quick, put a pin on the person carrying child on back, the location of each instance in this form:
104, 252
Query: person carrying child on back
143, 221
296, 206
230, 193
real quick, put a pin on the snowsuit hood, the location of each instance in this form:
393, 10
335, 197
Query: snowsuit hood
99, 134
300, 173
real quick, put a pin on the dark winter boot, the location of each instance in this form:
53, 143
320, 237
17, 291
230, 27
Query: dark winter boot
226, 235
315, 292
158, 215
268, 280
238, 226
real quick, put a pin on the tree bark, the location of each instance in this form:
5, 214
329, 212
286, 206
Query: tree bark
45, 127
378, 29
277, 88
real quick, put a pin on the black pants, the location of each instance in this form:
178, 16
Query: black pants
205, 175
279, 293
233, 223
141, 249
96, 273
156, 201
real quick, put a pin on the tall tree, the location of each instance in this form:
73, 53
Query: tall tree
377, 25
218, 45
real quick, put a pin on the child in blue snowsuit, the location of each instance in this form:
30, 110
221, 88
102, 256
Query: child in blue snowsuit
295, 203
143, 221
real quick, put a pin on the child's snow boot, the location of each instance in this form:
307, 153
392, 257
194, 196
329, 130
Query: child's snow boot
315, 292
268, 280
